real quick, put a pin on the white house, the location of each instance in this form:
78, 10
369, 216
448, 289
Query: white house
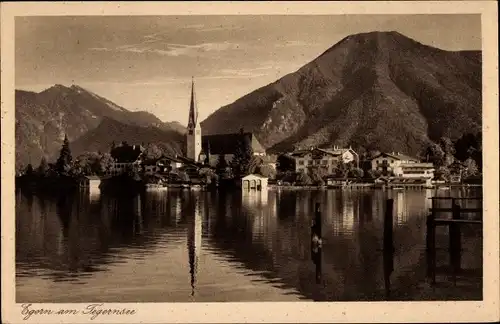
415, 171
386, 162
324, 158
254, 182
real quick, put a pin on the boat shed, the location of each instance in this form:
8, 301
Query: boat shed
254, 182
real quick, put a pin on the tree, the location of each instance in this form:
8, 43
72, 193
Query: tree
355, 173
471, 168
242, 155
267, 171
152, 152
434, 154
104, 163
448, 149
63, 164
317, 174
43, 168
341, 169
304, 179
373, 174
442, 173
254, 164
209, 175
285, 163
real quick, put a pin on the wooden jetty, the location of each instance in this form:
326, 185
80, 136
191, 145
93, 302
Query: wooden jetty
454, 224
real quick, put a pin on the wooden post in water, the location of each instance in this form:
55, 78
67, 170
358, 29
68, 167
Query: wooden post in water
388, 224
317, 219
316, 241
455, 239
388, 246
431, 244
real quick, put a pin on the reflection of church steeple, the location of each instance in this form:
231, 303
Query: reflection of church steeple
194, 244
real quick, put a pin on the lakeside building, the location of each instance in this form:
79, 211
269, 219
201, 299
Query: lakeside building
324, 158
386, 162
415, 171
225, 145
164, 165
402, 166
126, 157
254, 182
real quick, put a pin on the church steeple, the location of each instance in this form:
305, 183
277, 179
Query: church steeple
193, 137
193, 110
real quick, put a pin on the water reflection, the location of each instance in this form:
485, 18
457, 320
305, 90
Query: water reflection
263, 237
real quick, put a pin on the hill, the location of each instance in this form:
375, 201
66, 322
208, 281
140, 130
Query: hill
100, 139
43, 118
378, 90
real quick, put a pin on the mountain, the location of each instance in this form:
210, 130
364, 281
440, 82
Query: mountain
43, 118
377, 90
110, 130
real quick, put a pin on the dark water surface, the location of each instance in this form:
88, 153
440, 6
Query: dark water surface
178, 246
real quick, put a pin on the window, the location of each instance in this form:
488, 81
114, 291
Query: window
324, 162
190, 132
301, 162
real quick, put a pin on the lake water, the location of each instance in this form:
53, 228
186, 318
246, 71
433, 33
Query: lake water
179, 246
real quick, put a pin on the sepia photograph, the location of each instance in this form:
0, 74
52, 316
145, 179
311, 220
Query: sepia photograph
228, 158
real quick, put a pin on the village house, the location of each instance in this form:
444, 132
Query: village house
402, 166
386, 162
163, 165
415, 171
126, 157
225, 145
323, 158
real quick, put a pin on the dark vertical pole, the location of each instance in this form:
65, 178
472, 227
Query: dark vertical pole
431, 244
388, 246
388, 219
316, 241
455, 239
317, 219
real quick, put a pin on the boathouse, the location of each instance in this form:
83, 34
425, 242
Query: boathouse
254, 182
91, 182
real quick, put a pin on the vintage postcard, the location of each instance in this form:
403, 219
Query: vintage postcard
249, 162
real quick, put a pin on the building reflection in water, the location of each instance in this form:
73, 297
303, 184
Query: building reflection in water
400, 208
195, 229
94, 194
138, 220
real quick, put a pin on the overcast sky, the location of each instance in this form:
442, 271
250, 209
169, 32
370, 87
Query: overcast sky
146, 63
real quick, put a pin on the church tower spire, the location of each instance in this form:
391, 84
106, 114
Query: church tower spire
193, 110
193, 140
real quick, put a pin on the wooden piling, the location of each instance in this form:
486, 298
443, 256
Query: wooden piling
317, 220
431, 245
388, 224
455, 244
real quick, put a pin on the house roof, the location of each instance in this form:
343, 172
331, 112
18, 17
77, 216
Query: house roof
396, 156
302, 153
417, 165
227, 143
254, 175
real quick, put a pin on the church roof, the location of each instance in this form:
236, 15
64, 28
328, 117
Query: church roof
227, 143
193, 110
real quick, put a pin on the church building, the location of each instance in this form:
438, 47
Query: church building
208, 149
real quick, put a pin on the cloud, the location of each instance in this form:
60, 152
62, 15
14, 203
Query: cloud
204, 28
172, 49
